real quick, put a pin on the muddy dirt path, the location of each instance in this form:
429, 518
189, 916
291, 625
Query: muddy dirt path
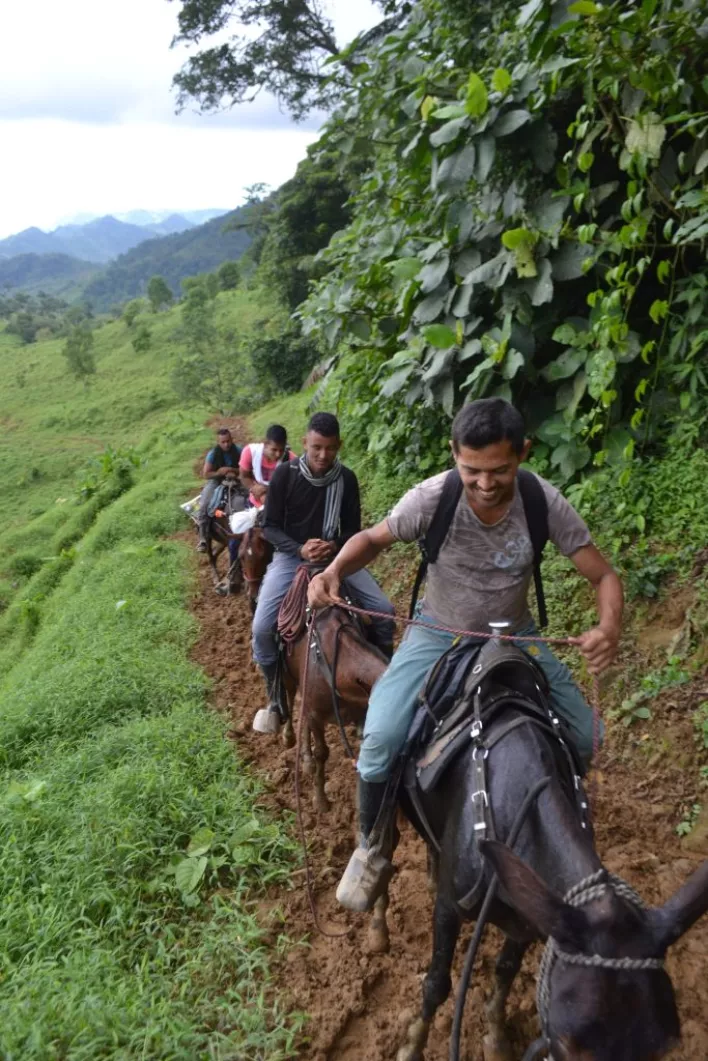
360, 1003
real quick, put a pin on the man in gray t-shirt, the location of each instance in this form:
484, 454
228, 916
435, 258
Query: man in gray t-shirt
482, 574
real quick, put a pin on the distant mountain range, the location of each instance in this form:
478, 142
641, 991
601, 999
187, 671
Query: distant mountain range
99, 240
108, 260
199, 250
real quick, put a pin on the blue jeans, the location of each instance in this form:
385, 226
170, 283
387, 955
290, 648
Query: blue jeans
276, 583
394, 698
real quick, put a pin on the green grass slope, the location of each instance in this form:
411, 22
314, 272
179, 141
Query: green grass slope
131, 842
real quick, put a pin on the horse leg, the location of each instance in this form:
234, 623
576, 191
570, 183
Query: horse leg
432, 867
496, 1043
378, 940
288, 695
308, 765
321, 755
437, 983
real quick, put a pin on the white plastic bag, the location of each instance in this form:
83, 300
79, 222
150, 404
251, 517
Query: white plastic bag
240, 522
191, 508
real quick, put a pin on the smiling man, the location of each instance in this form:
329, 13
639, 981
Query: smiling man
482, 574
312, 510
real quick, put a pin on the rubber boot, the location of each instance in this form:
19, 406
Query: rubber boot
370, 869
269, 719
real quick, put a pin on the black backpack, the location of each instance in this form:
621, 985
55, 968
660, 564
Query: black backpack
535, 509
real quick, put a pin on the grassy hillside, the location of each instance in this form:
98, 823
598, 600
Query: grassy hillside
130, 837
56, 274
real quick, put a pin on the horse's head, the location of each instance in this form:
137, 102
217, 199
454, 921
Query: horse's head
603, 993
255, 554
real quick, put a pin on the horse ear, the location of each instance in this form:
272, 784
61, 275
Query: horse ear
682, 910
531, 897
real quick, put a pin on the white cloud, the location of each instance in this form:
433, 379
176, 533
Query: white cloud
87, 120
64, 168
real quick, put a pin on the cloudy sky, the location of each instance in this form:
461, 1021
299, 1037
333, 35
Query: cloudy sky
87, 122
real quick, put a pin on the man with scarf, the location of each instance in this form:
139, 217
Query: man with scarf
312, 509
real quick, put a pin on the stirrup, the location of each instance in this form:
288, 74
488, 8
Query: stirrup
267, 720
365, 879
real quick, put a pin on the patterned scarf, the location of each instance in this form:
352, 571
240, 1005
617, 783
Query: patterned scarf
334, 483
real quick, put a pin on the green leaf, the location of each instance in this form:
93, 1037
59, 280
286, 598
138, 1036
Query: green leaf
448, 132
440, 336
566, 365
663, 271
427, 106
413, 68
565, 333
510, 121
189, 873
542, 289
486, 150
585, 161
518, 237
404, 268
642, 712
501, 80
658, 310
395, 381
584, 7
702, 163
430, 308
522, 243
645, 135
570, 457
201, 842
513, 361
457, 169
359, 326
450, 110
432, 275
476, 100
461, 304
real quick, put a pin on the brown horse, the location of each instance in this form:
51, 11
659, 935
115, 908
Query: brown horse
341, 671
254, 555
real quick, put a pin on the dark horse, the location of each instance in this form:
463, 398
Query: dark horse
219, 537
603, 993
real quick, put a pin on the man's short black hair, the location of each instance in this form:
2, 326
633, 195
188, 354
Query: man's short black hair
224, 431
486, 421
325, 424
277, 433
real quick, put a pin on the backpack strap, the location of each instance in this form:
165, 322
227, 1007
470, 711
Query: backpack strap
536, 512
436, 534
535, 509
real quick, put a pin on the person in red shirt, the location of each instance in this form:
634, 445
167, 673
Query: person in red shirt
260, 459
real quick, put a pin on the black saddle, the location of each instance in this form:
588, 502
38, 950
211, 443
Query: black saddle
476, 696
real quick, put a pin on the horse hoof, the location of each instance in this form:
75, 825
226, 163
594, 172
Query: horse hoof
322, 804
496, 1048
412, 1049
377, 940
288, 737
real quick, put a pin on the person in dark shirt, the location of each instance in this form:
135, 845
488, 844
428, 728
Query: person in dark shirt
312, 509
220, 461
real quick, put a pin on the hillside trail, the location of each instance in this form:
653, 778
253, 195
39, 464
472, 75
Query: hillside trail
360, 1003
